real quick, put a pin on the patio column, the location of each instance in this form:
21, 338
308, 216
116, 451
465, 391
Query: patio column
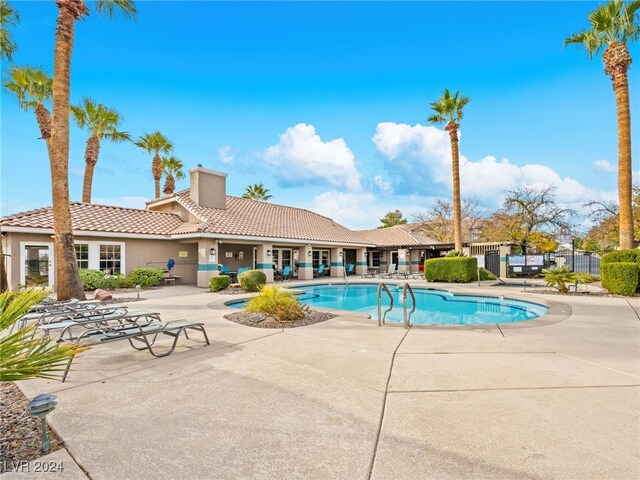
208, 254
403, 260
264, 261
361, 261
305, 262
414, 258
504, 251
337, 262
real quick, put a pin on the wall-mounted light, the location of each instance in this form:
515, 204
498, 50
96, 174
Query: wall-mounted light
212, 255
341, 254
309, 253
366, 254
268, 253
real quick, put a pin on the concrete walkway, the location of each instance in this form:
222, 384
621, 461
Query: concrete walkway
345, 399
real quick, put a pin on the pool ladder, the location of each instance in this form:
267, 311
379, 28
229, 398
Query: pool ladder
406, 314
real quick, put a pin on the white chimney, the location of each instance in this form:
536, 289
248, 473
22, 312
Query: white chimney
208, 187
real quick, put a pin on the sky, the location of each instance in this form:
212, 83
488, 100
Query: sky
326, 103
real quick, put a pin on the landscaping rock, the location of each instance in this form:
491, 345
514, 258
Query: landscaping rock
102, 295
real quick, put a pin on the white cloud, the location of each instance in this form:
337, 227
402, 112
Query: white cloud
604, 166
126, 201
419, 160
381, 186
225, 154
301, 157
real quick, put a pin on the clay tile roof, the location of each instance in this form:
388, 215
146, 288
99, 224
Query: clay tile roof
396, 236
262, 219
100, 218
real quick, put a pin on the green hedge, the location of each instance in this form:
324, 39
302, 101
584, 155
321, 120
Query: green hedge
620, 278
486, 274
219, 283
91, 279
146, 277
618, 256
451, 269
252, 280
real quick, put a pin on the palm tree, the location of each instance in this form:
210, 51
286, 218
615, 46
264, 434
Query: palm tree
102, 122
8, 17
612, 25
172, 168
32, 86
68, 278
257, 192
155, 143
449, 110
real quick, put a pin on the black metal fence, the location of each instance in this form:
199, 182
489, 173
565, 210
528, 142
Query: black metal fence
581, 262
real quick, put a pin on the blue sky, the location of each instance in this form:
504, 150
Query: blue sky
326, 103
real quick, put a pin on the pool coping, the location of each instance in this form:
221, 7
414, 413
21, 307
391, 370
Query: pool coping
558, 311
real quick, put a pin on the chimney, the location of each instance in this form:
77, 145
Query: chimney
208, 187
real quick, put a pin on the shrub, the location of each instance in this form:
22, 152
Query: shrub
109, 282
560, 277
451, 269
278, 303
146, 277
252, 280
91, 279
219, 283
125, 282
455, 253
627, 256
620, 278
486, 274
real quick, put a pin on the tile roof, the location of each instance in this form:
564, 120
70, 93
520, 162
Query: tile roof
100, 218
262, 219
396, 236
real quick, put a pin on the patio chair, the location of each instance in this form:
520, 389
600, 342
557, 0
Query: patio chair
285, 274
390, 271
350, 268
319, 272
144, 334
243, 269
225, 270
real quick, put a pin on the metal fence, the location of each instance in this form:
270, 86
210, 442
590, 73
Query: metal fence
581, 262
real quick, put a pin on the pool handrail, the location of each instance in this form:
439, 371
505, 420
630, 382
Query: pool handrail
407, 318
381, 317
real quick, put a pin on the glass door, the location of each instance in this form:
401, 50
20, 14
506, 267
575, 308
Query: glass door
37, 266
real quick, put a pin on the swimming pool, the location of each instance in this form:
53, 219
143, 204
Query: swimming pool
438, 307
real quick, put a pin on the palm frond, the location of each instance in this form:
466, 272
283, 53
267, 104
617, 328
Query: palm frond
8, 17
112, 8
31, 85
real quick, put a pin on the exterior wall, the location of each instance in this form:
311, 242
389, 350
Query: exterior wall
236, 250
208, 188
361, 261
208, 258
305, 262
337, 265
137, 253
264, 260
404, 262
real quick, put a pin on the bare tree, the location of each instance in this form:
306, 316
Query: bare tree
437, 223
528, 210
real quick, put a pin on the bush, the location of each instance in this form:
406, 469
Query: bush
146, 277
219, 283
620, 278
91, 279
109, 282
279, 304
486, 274
252, 280
560, 277
451, 269
617, 256
454, 253
125, 282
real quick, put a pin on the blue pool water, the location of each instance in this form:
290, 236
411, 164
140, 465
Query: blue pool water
432, 306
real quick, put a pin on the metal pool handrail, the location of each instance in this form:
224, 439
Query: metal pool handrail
381, 317
407, 318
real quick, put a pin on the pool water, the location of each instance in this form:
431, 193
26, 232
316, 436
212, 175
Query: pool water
437, 307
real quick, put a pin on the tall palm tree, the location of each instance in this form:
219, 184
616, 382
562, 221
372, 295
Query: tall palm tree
155, 143
257, 192
8, 17
32, 87
612, 26
172, 168
449, 110
67, 275
102, 122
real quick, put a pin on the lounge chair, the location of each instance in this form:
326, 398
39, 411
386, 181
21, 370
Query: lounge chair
350, 269
390, 271
225, 270
140, 333
243, 269
285, 274
319, 272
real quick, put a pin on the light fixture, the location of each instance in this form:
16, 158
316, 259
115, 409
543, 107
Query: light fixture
212, 254
39, 407
268, 253
309, 253
341, 254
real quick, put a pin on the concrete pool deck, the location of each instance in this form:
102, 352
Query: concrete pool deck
346, 399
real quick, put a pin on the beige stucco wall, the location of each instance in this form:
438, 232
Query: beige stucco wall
138, 253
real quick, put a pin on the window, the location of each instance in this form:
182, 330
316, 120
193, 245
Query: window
286, 258
275, 255
375, 259
82, 255
320, 256
110, 259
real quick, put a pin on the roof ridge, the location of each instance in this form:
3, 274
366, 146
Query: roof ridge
117, 207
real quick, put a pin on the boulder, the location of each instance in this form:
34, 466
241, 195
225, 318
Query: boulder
102, 295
